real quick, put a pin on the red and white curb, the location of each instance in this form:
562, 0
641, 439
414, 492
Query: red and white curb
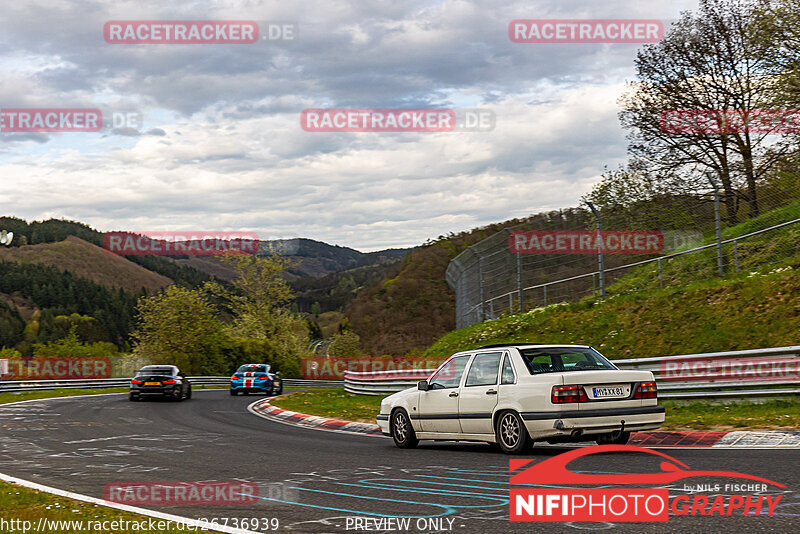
263, 408
737, 439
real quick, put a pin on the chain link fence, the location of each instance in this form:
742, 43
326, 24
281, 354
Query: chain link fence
490, 279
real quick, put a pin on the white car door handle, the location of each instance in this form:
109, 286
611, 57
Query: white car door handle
454, 394
491, 392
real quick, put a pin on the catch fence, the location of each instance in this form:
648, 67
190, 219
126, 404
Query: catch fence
490, 278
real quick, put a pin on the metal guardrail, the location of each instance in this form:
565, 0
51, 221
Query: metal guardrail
103, 383
763, 372
383, 382
732, 374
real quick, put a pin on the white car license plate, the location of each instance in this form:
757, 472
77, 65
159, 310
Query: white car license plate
601, 393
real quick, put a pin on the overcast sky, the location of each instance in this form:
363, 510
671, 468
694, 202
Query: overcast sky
221, 147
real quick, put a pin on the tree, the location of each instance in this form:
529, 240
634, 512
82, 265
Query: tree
316, 309
345, 343
10, 354
257, 304
178, 326
776, 37
71, 345
634, 199
12, 326
706, 62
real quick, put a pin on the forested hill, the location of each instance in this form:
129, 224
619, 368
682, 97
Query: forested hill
55, 275
57, 230
413, 306
86, 260
317, 259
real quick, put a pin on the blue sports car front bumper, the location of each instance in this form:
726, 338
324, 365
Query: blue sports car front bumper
246, 385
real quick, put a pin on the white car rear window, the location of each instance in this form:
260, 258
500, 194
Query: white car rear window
559, 360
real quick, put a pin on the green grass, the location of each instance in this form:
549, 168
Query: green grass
772, 414
24, 504
32, 395
331, 402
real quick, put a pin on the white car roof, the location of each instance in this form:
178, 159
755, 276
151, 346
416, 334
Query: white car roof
523, 346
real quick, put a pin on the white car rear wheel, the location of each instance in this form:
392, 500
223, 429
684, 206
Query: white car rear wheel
512, 436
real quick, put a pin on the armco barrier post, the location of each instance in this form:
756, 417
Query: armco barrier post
660, 274
519, 283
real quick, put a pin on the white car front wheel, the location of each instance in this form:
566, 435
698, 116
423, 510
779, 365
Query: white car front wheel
402, 432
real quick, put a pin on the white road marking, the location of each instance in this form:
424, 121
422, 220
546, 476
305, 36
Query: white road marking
102, 439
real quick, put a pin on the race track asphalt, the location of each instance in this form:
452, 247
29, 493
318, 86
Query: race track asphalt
312, 480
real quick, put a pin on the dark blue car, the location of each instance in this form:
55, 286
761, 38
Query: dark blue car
256, 378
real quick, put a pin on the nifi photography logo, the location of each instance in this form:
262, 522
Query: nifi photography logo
549, 491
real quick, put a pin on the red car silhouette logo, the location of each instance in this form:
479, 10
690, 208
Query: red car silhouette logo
553, 471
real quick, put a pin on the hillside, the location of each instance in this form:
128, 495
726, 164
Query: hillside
88, 261
316, 259
412, 307
335, 291
58, 230
56, 268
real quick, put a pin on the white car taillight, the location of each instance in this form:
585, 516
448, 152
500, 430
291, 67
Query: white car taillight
566, 394
646, 390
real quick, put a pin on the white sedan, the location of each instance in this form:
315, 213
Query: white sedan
514, 395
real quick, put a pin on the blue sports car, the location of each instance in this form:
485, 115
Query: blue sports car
256, 378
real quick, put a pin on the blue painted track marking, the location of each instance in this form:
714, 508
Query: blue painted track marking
454, 493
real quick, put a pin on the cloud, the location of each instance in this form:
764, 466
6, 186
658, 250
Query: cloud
221, 147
